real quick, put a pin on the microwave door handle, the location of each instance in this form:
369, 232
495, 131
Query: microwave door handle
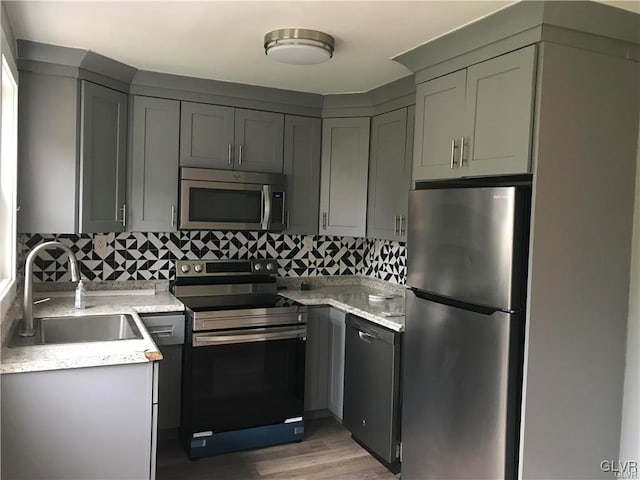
266, 202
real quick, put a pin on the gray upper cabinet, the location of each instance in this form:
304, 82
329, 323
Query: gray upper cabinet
213, 136
103, 159
390, 174
343, 184
72, 167
48, 108
206, 136
153, 165
302, 169
476, 121
499, 114
259, 141
439, 118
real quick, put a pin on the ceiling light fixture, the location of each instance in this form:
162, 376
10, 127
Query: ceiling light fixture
298, 46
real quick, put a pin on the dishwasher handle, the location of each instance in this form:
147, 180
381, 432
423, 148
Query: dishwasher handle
369, 331
365, 337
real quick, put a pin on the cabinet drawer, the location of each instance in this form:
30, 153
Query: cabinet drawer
165, 329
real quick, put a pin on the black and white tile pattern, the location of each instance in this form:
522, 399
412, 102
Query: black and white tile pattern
152, 256
386, 260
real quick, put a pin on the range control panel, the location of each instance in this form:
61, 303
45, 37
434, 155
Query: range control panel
204, 268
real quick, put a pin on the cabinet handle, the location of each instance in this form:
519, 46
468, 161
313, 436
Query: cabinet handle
287, 224
453, 155
164, 331
461, 151
240, 156
403, 225
230, 157
173, 215
396, 228
124, 215
324, 220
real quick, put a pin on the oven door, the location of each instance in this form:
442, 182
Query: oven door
207, 205
245, 378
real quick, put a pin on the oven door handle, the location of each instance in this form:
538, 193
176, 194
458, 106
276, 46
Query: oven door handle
247, 336
266, 207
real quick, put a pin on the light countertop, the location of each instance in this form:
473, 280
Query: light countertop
354, 299
91, 354
347, 294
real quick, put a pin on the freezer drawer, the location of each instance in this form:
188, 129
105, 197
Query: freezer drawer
460, 403
372, 386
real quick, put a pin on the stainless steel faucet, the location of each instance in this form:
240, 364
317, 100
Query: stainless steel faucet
27, 319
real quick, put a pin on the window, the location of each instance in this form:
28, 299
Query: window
8, 181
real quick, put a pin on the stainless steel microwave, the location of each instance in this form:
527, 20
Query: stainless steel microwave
230, 200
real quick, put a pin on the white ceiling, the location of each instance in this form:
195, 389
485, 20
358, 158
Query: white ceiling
223, 40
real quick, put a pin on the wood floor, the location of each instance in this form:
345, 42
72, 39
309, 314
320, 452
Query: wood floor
327, 452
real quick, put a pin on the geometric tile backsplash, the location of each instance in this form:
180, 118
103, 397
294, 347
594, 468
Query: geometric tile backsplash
152, 256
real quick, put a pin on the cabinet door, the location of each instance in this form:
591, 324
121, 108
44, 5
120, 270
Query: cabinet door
499, 115
336, 362
387, 175
439, 122
169, 384
84, 423
206, 136
103, 160
153, 165
259, 141
317, 359
344, 170
47, 177
411, 121
302, 168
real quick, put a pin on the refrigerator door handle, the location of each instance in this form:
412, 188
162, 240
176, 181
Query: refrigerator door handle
482, 309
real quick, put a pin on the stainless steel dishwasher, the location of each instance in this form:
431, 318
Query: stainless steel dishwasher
372, 389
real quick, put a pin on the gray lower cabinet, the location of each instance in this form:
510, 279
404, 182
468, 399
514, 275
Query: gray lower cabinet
372, 388
336, 362
476, 121
317, 359
214, 136
390, 174
153, 165
344, 170
302, 169
167, 331
71, 167
89, 423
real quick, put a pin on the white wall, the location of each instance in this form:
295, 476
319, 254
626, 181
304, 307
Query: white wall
630, 431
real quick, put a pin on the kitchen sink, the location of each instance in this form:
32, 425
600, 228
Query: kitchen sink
79, 329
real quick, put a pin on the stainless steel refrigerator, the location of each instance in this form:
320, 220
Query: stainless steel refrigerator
462, 351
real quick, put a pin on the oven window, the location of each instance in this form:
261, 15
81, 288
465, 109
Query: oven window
219, 205
246, 385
